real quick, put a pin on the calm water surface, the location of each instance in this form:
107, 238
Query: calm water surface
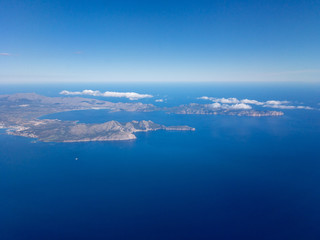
233, 178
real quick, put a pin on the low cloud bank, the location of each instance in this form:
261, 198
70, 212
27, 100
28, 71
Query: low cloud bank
231, 100
234, 103
129, 95
237, 106
240, 106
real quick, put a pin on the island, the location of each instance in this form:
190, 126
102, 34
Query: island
22, 107
209, 109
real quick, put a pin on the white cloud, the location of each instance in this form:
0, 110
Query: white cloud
226, 100
281, 106
240, 106
159, 100
248, 101
231, 100
129, 95
207, 98
65, 92
275, 102
237, 106
305, 107
5, 54
220, 100
245, 103
215, 105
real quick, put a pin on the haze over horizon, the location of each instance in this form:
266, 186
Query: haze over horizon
143, 41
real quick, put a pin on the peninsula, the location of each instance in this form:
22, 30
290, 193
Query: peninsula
19, 114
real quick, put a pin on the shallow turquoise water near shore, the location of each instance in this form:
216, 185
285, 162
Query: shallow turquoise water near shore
233, 178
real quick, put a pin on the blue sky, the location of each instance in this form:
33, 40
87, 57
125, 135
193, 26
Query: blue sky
137, 41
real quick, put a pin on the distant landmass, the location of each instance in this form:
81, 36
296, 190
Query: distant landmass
21, 107
19, 114
208, 109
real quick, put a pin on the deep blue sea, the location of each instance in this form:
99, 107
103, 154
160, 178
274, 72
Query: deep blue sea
232, 178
